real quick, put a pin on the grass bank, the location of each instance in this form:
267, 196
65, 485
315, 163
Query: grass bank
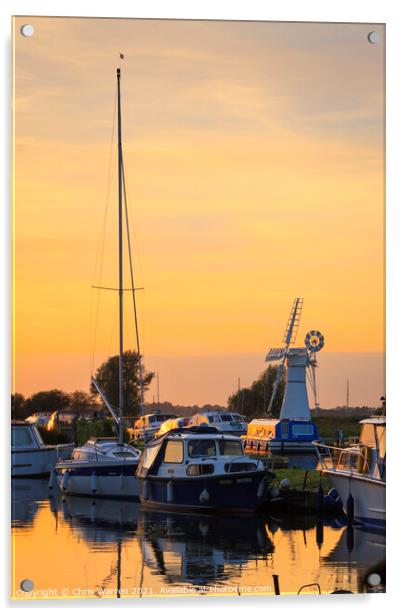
296, 477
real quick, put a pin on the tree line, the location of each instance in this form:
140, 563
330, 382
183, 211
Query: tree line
107, 375
249, 401
253, 401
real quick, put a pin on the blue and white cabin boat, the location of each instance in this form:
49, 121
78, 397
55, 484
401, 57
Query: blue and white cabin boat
359, 473
200, 468
294, 431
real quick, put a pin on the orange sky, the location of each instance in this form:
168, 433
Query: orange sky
254, 163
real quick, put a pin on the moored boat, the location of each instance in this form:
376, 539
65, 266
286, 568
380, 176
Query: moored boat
199, 468
102, 467
29, 454
224, 421
268, 435
106, 467
359, 473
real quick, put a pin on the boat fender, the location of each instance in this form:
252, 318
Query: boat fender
204, 496
65, 480
332, 500
350, 508
169, 492
261, 490
93, 482
333, 494
52, 478
145, 490
285, 484
274, 492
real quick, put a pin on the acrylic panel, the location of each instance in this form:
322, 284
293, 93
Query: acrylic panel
198, 392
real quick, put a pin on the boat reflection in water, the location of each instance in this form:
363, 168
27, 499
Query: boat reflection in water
100, 520
28, 496
110, 548
201, 550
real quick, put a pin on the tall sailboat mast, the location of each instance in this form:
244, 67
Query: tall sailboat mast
121, 349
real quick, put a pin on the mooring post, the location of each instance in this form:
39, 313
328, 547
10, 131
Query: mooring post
276, 584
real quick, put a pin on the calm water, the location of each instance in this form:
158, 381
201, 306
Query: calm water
80, 547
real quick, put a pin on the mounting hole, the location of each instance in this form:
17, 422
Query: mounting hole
374, 579
27, 585
373, 37
27, 30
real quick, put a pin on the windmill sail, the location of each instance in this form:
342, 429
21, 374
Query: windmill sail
281, 354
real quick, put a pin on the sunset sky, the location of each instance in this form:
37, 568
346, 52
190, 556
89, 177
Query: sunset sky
255, 173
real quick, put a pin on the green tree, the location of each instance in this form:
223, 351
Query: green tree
82, 402
17, 406
253, 401
46, 402
107, 376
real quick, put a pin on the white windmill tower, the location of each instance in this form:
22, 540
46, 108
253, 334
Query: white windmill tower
295, 405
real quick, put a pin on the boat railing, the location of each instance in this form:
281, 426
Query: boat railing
350, 459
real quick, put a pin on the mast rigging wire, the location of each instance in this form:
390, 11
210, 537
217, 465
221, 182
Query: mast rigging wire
101, 246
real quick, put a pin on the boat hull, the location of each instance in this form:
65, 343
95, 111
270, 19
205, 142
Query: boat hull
241, 492
37, 462
368, 495
103, 481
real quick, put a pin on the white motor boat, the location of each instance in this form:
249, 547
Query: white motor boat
359, 473
29, 454
102, 467
106, 467
224, 421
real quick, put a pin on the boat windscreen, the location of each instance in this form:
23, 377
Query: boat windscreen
148, 458
230, 448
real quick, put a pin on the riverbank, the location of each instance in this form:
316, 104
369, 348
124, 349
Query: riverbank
301, 479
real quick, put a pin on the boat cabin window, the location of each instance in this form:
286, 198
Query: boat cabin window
226, 417
174, 452
236, 467
200, 469
21, 437
303, 430
230, 448
200, 448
